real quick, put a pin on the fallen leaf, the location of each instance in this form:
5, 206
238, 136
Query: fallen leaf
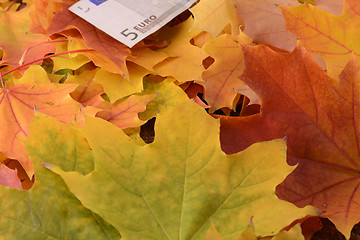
88, 92
332, 37
202, 38
168, 97
22, 176
41, 13
248, 234
214, 15
246, 91
146, 58
116, 86
17, 104
49, 209
293, 234
124, 114
264, 22
222, 77
310, 226
213, 234
35, 74
9, 178
166, 189
68, 61
319, 117
93, 37
181, 53
69, 149
16, 38
332, 6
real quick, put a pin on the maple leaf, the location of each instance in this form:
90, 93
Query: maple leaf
49, 209
116, 86
214, 15
35, 74
293, 234
222, 77
93, 37
88, 92
17, 104
213, 234
318, 115
310, 226
168, 97
332, 37
166, 190
123, 114
9, 178
332, 6
22, 176
69, 61
143, 56
16, 38
41, 13
69, 148
249, 234
264, 22
181, 53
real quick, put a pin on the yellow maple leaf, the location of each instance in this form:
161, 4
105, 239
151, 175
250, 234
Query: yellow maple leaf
214, 15
335, 38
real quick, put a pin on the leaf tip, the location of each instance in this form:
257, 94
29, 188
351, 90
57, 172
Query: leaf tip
251, 222
47, 165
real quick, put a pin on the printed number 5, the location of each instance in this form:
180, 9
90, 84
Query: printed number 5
129, 33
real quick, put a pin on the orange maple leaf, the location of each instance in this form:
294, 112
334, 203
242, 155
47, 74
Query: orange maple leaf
16, 38
9, 177
222, 77
320, 118
123, 114
41, 13
17, 104
335, 38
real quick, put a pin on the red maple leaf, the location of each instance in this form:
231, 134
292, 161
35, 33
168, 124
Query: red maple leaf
319, 117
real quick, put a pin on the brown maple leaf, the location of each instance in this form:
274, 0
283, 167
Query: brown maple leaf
319, 117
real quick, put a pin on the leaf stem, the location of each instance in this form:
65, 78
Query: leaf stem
46, 57
21, 62
9, 7
2, 81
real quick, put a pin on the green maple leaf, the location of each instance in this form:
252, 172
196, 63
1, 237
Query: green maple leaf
49, 210
175, 187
